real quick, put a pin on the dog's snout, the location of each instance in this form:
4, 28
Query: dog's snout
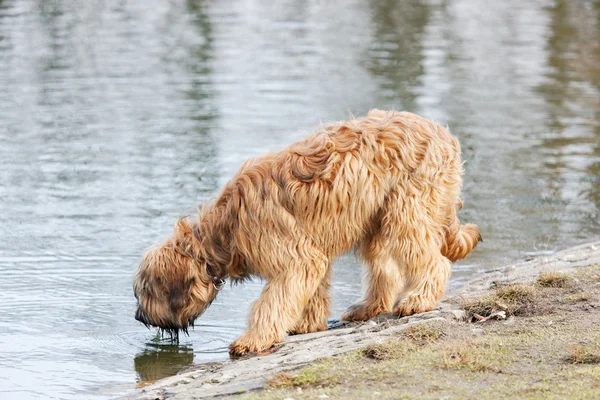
139, 316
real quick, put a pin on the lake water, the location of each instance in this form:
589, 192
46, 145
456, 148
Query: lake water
117, 117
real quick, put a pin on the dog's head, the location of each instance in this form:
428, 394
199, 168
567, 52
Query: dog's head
173, 284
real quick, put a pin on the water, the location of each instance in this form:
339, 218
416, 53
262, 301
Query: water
116, 117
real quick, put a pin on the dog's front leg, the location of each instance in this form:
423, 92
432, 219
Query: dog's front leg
281, 304
314, 317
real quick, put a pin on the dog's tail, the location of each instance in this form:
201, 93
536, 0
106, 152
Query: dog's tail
460, 240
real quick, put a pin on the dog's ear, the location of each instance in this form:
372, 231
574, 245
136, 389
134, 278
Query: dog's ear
181, 278
182, 227
182, 237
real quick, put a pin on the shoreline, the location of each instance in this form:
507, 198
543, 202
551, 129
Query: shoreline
227, 378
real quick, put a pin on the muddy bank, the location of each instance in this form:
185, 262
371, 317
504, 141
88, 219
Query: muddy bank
230, 378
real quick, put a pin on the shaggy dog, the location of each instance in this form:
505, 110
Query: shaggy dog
386, 185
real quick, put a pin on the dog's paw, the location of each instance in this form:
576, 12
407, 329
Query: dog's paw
244, 346
363, 312
412, 305
308, 327
237, 350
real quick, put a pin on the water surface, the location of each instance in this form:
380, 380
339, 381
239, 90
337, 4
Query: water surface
118, 117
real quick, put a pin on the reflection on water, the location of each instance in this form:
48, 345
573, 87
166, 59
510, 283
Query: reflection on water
396, 56
158, 361
118, 117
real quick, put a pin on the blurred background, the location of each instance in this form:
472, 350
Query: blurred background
118, 116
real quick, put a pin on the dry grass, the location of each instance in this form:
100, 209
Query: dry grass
423, 334
514, 299
378, 352
554, 279
319, 374
280, 381
580, 297
519, 293
584, 354
589, 274
474, 357
419, 335
459, 357
390, 350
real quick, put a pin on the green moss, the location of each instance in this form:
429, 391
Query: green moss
476, 356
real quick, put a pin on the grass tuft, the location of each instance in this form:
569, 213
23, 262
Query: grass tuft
280, 381
580, 297
517, 293
423, 334
584, 354
589, 274
321, 373
554, 279
515, 299
474, 357
378, 352
390, 350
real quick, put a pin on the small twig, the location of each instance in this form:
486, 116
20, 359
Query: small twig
497, 315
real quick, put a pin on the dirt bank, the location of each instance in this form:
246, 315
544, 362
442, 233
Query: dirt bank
542, 340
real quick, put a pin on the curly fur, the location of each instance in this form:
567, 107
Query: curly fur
387, 185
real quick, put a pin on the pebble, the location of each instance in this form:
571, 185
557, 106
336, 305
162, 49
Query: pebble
366, 327
459, 315
477, 331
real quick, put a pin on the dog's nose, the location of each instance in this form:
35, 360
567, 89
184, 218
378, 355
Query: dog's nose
139, 315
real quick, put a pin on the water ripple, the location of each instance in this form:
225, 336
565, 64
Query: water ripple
118, 117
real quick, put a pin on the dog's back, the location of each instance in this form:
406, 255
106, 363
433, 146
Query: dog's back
334, 184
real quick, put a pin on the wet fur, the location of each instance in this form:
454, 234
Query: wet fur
386, 185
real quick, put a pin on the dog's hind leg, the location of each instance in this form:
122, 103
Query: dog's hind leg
315, 314
429, 233
301, 269
426, 270
427, 274
382, 279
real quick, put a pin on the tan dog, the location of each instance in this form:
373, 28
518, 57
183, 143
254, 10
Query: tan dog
387, 185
